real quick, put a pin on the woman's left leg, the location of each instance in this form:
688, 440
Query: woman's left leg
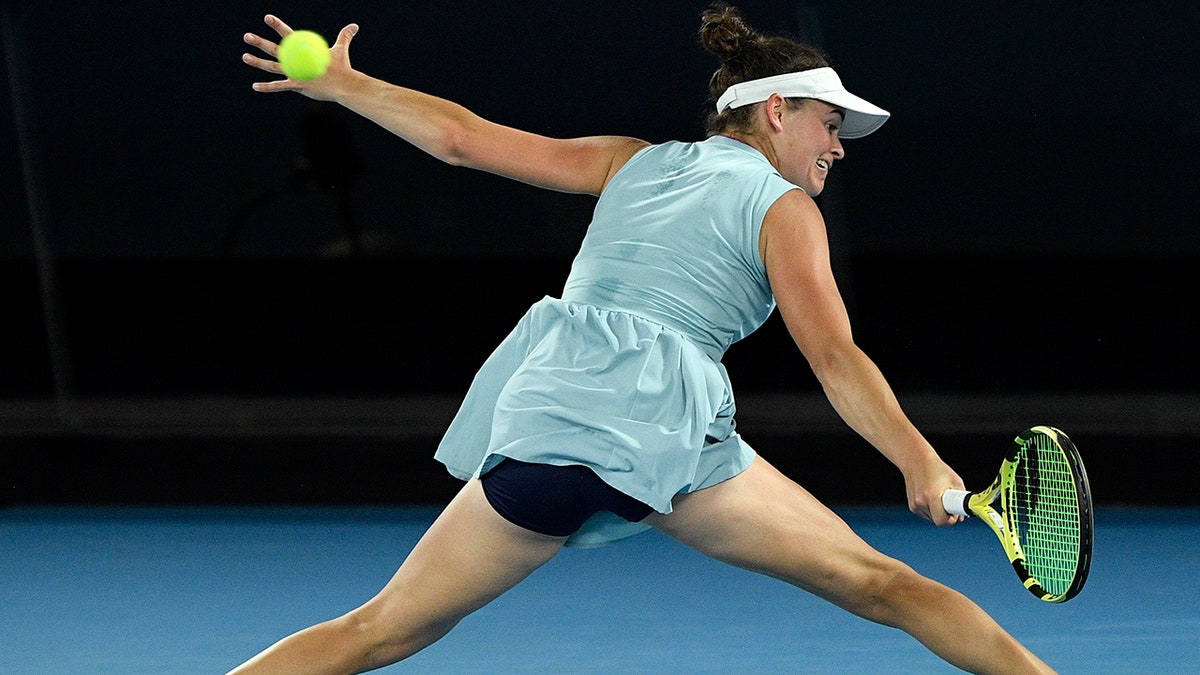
467, 558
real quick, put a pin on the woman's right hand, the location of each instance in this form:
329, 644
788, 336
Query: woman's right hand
925, 482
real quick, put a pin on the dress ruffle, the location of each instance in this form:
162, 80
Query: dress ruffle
634, 401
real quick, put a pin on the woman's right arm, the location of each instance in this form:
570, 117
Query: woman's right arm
449, 131
795, 249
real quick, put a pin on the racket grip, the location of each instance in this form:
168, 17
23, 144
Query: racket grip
955, 502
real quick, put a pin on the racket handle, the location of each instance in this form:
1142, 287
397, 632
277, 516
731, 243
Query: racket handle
955, 502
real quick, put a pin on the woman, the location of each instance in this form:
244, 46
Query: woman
607, 411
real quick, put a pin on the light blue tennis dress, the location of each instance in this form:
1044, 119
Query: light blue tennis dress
623, 374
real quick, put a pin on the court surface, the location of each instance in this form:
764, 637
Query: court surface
197, 590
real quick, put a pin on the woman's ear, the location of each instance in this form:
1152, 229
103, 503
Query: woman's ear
774, 108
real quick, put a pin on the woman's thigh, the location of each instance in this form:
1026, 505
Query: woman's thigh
763, 521
468, 557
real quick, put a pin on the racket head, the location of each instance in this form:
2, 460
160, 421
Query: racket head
1046, 508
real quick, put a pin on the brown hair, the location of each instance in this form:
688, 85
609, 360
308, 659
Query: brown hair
746, 55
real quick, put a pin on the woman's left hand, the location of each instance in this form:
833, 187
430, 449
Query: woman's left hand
324, 88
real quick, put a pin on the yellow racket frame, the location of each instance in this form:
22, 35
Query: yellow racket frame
994, 505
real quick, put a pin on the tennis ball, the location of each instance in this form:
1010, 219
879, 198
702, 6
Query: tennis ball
304, 55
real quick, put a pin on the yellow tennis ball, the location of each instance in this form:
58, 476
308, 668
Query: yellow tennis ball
304, 55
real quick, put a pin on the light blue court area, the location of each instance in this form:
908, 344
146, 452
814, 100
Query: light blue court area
183, 590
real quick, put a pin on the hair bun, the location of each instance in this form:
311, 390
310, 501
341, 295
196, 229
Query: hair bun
723, 31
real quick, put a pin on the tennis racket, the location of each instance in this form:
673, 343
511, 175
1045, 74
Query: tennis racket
1040, 506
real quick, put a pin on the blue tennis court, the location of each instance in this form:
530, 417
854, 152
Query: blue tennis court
197, 590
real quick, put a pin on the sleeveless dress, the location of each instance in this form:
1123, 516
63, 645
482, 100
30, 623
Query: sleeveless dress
623, 374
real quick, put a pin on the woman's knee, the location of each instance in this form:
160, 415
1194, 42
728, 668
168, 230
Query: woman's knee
383, 639
888, 592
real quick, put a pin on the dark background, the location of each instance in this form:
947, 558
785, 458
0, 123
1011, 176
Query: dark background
213, 295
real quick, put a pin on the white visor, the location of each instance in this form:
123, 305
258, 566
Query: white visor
862, 117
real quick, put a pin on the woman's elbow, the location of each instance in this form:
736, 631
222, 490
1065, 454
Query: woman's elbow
828, 361
453, 146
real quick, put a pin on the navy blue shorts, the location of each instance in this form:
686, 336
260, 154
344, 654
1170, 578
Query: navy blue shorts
555, 500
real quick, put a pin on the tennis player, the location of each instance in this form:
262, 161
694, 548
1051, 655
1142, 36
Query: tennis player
607, 411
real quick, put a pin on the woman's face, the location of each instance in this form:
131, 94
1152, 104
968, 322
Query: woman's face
810, 144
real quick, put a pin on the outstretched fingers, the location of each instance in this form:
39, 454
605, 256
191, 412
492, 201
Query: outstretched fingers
271, 49
276, 23
344, 37
268, 62
269, 66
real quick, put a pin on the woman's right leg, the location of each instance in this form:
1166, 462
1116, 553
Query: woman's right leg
763, 521
467, 558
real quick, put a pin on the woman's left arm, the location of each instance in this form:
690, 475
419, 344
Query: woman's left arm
447, 130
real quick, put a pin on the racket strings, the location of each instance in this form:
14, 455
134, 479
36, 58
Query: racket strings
1045, 506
